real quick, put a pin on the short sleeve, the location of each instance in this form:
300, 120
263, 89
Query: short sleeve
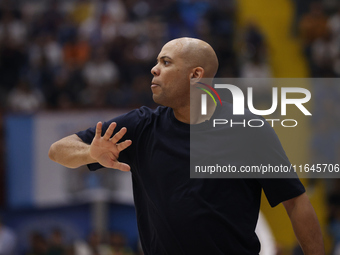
280, 190
269, 151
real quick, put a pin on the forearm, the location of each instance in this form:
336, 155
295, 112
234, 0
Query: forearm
71, 152
306, 226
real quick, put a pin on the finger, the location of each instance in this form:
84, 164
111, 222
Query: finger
119, 135
121, 166
109, 131
123, 145
98, 130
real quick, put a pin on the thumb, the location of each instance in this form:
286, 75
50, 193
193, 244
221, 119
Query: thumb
121, 166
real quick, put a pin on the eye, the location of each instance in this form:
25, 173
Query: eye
166, 62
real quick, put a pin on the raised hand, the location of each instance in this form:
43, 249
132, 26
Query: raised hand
105, 150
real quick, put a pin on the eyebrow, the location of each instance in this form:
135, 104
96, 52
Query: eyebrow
163, 57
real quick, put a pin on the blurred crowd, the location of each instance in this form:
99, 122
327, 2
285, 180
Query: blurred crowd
56, 243
320, 33
114, 244
95, 54
82, 53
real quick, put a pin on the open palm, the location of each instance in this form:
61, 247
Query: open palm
105, 150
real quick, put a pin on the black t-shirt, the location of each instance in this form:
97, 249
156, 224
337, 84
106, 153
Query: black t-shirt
179, 215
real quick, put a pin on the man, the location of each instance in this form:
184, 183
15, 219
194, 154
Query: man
176, 214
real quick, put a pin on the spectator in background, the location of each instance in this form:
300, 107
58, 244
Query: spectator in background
25, 99
93, 246
82, 10
76, 51
56, 245
99, 74
111, 15
255, 68
52, 51
334, 27
63, 93
45, 58
312, 26
333, 24
113, 9
191, 13
12, 61
300, 8
254, 64
324, 51
52, 17
118, 245
38, 244
8, 240
67, 30
219, 30
12, 28
254, 41
90, 30
140, 92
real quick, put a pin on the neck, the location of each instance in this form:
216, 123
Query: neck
185, 115
182, 114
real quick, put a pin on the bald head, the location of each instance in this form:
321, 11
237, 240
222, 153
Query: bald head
196, 53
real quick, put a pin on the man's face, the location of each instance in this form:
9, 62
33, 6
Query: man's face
171, 82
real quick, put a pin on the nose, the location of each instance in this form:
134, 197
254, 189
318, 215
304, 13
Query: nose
155, 70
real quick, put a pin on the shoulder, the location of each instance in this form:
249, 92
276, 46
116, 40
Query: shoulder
134, 120
148, 112
143, 115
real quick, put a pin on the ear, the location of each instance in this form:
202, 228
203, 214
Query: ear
197, 74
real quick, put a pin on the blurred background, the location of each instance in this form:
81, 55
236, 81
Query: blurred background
64, 65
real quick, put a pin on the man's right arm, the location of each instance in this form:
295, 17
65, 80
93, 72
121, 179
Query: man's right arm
72, 152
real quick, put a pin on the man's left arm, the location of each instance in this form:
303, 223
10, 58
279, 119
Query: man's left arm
305, 224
